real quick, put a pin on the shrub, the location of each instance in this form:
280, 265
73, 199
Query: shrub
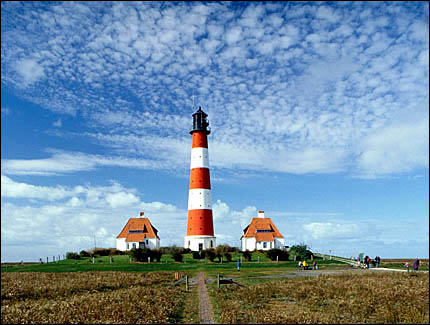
209, 253
276, 252
247, 255
157, 253
72, 256
301, 252
227, 256
142, 254
84, 253
177, 256
196, 255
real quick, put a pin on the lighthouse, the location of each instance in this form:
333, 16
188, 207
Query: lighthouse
200, 230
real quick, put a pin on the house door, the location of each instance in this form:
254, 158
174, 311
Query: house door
200, 247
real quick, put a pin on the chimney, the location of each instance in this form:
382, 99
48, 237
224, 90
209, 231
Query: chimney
141, 214
261, 214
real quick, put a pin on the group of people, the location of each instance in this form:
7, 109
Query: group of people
305, 266
416, 265
368, 261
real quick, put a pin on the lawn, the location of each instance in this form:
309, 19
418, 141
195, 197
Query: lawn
166, 264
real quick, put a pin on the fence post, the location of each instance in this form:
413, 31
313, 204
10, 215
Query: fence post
258, 259
217, 281
93, 260
186, 282
110, 259
221, 259
53, 258
149, 259
47, 260
277, 258
241, 260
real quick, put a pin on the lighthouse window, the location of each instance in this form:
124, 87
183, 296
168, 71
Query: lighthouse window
136, 231
263, 231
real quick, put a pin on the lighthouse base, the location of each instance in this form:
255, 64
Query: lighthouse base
200, 242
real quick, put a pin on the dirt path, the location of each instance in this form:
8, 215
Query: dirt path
206, 315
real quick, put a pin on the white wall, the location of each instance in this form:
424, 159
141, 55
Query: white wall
279, 243
120, 244
192, 242
248, 244
251, 244
153, 243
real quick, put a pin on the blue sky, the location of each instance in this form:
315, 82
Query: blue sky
319, 117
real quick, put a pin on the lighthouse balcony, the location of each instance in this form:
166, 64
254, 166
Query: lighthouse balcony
207, 129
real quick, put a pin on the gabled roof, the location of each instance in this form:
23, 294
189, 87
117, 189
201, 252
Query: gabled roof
262, 224
138, 224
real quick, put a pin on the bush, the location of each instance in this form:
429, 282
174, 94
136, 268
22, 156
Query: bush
209, 253
142, 254
196, 255
157, 253
227, 256
301, 252
99, 252
84, 253
247, 255
276, 252
177, 256
72, 256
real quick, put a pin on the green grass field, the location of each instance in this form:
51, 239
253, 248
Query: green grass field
122, 263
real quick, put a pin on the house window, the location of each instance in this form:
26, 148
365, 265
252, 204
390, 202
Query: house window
212, 243
189, 243
200, 247
134, 245
264, 245
147, 242
270, 244
128, 245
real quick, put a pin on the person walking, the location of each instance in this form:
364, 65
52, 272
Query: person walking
416, 264
407, 266
238, 265
300, 265
314, 265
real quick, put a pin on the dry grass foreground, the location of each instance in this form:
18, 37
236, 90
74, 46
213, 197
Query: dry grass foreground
91, 297
386, 297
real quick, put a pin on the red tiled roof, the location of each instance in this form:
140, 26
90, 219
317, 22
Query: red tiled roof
262, 224
138, 224
264, 236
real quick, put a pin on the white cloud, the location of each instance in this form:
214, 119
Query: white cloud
58, 123
30, 71
320, 230
399, 147
309, 95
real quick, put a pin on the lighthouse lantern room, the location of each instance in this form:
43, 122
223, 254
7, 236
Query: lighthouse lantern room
200, 232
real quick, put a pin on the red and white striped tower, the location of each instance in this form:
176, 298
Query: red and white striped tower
200, 229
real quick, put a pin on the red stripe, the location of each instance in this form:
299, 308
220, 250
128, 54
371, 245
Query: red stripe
200, 140
200, 222
200, 178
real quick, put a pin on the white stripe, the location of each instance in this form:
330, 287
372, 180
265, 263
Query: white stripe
199, 199
199, 158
